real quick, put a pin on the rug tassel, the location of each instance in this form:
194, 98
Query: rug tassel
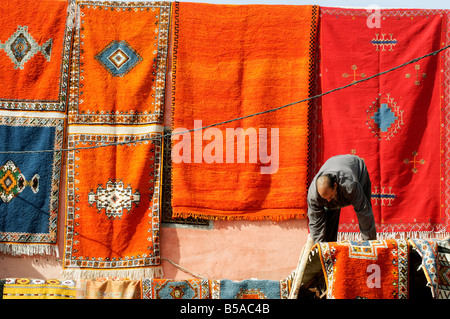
29, 250
132, 274
356, 236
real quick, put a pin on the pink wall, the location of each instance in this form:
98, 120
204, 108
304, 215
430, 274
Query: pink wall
235, 250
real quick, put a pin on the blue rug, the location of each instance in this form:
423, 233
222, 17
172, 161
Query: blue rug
253, 289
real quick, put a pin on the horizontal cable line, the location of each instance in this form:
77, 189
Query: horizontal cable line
234, 119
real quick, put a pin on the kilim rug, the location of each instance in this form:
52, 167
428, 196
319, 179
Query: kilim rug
428, 251
119, 62
113, 202
29, 182
116, 96
374, 269
109, 288
35, 40
171, 289
252, 289
231, 61
397, 122
25, 288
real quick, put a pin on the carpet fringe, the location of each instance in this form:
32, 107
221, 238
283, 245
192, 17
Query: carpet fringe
29, 250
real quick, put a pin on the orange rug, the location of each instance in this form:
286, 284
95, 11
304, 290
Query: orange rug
374, 269
230, 61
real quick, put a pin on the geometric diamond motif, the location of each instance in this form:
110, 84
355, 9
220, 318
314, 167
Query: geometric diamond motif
118, 58
114, 198
13, 182
384, 117
21, 46
444, 276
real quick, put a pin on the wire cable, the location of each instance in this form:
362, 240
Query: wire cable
238, 118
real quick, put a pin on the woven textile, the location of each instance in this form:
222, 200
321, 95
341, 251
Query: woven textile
252, 289
398, 122
374, 269
119, 62
117, 82
2, 285
25, 288
171, 289
428, 250
35, 43
29, 183
113, 203
435, 255
443, 264
230, 61
109, 288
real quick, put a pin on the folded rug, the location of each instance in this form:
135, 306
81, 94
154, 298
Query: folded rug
428, 251
435, 255
119, 62
25, 288
398, 122
172, 289
231, 61
374, 269
109, 288
252, 289
35, 41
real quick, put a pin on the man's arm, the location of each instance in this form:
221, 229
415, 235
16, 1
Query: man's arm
363, 210
316, 221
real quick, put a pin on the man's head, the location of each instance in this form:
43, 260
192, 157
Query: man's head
326, 187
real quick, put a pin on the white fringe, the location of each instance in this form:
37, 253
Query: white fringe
132, 274
395, 235
29, 250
